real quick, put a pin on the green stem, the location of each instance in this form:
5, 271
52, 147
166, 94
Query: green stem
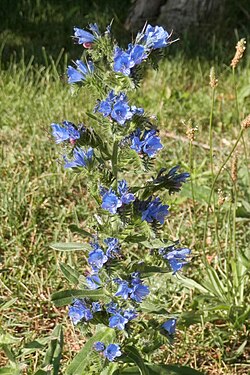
211, 152
211, 133
213, 185
114, 160
238, 120
234, 220
191, 173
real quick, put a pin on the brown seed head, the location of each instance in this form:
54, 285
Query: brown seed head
213, 80
190, 133
240, 48
221, 198
234, 168
246, 122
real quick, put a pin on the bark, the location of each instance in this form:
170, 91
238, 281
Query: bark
177, 15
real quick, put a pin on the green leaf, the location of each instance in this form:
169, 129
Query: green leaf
7, 304
7, 339
160, 370
54, 352
244, 259
75, 229
152, 308
134, 355
70, 273
10, 371
114, 158
189, 283
109, 370
154, 244
82, 359
147, 271
70, 246
65, 297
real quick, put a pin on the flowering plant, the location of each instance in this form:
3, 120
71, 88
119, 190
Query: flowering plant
126, 245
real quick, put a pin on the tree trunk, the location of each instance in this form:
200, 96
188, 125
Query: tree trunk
177, 15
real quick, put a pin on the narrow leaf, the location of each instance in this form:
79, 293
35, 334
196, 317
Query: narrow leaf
54, 352
70, 273
70, 246
160, 370
66, 297
134, 355
75, 229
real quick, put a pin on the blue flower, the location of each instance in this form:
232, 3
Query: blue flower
121, 112
79, 311
122, 62
66, 131
118, 321
99, 346
135, 290
83, 36
112, 307
154, 37
96, 259
112, 351
177, 258
172, 180
139, 292
113, 247
154, 210
123, 289
94, 28
96, 306
79, 74
93, 281
130, 314
125, 60
80, 158
137, 53
148, 144
111, 202
126, 197
170, 326
116, 106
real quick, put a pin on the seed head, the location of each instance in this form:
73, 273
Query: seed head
191, 133
221, 198
234, 168
240, 48
213, 80
246, 122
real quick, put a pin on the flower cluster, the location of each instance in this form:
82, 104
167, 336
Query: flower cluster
148, 143
82, 310
115, 290
172, 180
177, 258
111, 202
97, 258
117, 107
145, 42
133, 289
110, 352
119, 317
153, 210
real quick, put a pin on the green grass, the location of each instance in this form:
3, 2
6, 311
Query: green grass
39, 199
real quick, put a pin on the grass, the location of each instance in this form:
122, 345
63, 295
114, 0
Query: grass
40, 200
